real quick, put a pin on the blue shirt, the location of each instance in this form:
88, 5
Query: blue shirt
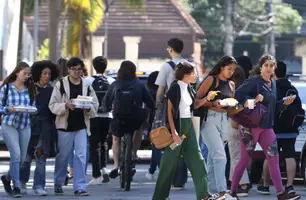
19, 120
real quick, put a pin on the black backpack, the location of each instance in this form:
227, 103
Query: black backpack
125, 105
291, 117
100, 86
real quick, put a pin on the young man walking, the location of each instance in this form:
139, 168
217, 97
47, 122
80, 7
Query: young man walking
99, 125
73, 126
164, 79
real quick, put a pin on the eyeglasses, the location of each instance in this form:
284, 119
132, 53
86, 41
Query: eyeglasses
76, 69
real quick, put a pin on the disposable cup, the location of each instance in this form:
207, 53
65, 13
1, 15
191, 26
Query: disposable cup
251, 103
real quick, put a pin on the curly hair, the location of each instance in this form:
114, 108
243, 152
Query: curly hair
39, 66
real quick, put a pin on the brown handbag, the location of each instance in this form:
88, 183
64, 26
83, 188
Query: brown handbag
161, 137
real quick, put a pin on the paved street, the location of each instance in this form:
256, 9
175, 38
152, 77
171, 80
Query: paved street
141, 188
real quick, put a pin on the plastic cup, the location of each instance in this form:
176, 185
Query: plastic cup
251, 103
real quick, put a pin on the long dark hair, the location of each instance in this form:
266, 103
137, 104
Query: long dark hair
262, 60
224, 61
238, 76
28, 84
127, 71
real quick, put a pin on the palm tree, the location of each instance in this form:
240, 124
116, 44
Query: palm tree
87, 16
84, 16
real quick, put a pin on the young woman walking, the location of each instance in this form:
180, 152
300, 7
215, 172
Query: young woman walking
180, 105
214, 129
262, 89
17, 89
43, 131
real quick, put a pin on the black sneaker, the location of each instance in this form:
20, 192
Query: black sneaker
81, 193
113, 174
16, 193
58, 190
263, 190
242, 192
290, 189
105, 178
7, 185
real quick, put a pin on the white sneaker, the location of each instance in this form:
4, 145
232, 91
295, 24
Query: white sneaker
149, 176
23, 188
96, 181
40, 192
104, 170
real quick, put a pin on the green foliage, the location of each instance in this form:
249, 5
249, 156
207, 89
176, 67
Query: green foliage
250, 18
43, 51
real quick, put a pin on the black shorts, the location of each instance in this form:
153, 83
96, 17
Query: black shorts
287, 145
121, 126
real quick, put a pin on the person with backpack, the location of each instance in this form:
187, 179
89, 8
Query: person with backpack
286, 125
214, 127
17, 89
125, 97
164, 79
72, 125
99, 125
43, 132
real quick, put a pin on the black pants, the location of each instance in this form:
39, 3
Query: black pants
98, 146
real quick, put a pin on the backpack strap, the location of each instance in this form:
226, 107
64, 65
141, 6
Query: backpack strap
62, 89
4, 100
172, 64
88, 91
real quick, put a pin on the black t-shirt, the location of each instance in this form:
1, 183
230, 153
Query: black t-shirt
76, 119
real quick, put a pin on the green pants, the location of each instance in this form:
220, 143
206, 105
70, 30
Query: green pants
193, 158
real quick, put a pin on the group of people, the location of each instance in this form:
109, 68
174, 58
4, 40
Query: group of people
267, 86
123, 105
58, 128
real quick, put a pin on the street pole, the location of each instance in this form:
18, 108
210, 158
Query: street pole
35, 30
106, 34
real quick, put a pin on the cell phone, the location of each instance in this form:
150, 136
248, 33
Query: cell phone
287, 97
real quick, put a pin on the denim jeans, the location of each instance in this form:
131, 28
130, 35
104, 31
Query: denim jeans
17, 141
71, 157
40, 170
67, 142
203, 148
214, 131
155, 159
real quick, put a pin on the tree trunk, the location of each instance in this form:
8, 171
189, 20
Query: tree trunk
54, 15
19, 50
228, 28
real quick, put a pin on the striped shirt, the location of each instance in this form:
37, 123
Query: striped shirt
19, 120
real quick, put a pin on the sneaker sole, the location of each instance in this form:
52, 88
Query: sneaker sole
59, 194
295, 198
242, 194
17, 196
82, 195
264, 193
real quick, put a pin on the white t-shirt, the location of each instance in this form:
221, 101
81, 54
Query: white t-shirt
166, 74
186, 100
89, 80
